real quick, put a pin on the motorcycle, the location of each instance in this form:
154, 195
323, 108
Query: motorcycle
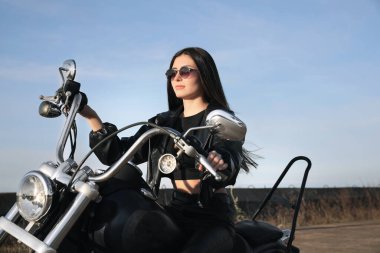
66, 206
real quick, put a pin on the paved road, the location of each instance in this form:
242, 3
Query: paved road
363, 237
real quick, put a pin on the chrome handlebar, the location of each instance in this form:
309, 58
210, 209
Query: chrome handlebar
179, 142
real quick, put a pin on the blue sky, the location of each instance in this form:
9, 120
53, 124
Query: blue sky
303, 75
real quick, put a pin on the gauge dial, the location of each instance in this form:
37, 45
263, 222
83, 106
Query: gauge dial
167, 163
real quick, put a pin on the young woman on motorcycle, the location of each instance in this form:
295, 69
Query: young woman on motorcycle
201, 208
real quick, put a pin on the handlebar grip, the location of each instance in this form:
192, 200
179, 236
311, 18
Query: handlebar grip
218, 176
201, 155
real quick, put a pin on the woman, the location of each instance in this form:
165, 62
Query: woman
201, 208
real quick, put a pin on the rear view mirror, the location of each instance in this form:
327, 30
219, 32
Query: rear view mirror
68, 70
226, 125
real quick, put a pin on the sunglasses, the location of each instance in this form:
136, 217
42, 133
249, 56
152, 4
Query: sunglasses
184, 72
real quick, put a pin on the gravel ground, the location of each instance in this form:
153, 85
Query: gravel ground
363, 237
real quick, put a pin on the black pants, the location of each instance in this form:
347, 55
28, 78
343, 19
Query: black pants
207, 228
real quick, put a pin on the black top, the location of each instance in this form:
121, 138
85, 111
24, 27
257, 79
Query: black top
192, 121
187, 168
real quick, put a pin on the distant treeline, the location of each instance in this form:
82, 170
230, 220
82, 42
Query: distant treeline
319, 205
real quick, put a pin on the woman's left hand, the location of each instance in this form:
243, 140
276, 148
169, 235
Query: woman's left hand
216, 161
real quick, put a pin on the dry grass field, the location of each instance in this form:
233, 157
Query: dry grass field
319, 205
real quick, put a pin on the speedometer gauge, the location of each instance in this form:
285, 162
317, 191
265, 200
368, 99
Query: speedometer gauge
167, 163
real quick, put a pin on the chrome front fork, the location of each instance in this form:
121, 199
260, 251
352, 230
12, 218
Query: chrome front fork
11, 216
87, 192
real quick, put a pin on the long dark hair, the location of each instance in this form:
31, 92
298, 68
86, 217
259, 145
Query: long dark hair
212, 88
208, 73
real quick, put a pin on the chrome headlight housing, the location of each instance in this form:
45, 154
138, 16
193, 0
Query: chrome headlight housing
34, 196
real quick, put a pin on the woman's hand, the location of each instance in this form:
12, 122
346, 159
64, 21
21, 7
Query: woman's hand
216, 161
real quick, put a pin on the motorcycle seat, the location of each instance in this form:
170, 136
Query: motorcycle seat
258, 232
241, 245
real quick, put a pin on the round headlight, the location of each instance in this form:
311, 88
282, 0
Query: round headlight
34, 196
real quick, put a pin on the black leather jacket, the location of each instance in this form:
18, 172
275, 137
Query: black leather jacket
112, 150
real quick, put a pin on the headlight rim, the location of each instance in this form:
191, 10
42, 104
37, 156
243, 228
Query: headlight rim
48, 190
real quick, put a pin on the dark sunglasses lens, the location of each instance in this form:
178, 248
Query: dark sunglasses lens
170, 73
184, 72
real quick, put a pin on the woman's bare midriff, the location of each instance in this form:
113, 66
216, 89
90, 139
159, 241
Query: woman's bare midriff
193, 186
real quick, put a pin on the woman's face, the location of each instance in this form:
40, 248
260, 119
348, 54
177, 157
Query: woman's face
189, 87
